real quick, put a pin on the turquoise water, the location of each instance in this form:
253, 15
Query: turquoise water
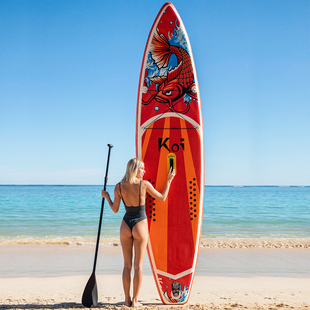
71, 213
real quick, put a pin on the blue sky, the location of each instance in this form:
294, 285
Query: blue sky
69, 74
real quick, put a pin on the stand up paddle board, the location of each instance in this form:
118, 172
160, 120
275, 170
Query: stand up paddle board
169, 133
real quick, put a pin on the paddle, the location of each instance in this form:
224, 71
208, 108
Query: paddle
90, 295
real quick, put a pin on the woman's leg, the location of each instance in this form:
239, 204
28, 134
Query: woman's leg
140, 233
127, 245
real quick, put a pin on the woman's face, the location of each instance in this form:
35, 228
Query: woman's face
141, 172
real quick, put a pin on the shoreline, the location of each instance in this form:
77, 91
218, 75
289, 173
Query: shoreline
232, 243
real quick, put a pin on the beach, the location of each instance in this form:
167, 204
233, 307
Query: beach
254, 249
207, 293
54, 277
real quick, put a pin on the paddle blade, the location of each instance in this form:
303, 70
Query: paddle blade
90, 295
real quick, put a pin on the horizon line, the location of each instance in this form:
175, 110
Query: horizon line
115, 184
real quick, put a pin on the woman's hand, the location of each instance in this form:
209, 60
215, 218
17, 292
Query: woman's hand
171, 174
105, 194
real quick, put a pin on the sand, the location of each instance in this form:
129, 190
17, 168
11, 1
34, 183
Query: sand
54, 277
207, 293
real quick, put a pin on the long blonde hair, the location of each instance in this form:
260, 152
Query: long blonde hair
132, 169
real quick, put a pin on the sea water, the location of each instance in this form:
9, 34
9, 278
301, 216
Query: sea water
232, 216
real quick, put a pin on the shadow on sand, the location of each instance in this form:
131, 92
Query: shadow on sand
72, 305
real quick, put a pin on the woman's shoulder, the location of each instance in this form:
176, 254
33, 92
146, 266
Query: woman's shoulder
145, 183
118, 187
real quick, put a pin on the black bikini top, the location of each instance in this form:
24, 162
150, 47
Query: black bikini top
123, 198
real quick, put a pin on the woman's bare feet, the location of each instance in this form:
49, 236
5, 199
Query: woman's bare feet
128, 302
135, 303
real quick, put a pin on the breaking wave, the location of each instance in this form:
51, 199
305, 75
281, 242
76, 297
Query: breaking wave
237, 243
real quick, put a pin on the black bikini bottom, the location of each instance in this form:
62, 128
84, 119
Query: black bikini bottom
134, 215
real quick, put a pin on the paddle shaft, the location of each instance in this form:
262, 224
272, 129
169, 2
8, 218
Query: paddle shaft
102, 207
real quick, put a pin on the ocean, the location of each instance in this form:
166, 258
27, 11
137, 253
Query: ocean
246, 216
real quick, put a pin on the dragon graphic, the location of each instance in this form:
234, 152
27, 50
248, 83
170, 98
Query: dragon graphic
178, 81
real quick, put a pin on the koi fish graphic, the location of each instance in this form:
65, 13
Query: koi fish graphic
178, 81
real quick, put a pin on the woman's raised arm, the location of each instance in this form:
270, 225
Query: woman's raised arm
156, 194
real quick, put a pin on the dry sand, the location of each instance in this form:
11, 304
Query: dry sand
54, 277
207, 293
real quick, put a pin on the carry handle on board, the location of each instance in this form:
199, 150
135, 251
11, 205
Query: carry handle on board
171, 162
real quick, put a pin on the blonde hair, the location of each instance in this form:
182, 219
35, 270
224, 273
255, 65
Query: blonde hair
132, 169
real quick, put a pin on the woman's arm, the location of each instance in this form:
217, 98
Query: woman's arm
117, 199
156, 194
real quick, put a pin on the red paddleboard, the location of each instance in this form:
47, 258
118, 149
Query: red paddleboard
169, 133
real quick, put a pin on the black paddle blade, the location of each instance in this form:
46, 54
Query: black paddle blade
90, 295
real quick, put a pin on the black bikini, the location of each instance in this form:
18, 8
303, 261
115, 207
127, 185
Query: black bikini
133, 214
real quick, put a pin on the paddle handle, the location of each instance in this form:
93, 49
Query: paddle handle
102, 207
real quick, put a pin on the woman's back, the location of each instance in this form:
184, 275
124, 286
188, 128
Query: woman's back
131, 193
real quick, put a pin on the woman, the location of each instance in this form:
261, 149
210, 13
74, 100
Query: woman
134, 229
